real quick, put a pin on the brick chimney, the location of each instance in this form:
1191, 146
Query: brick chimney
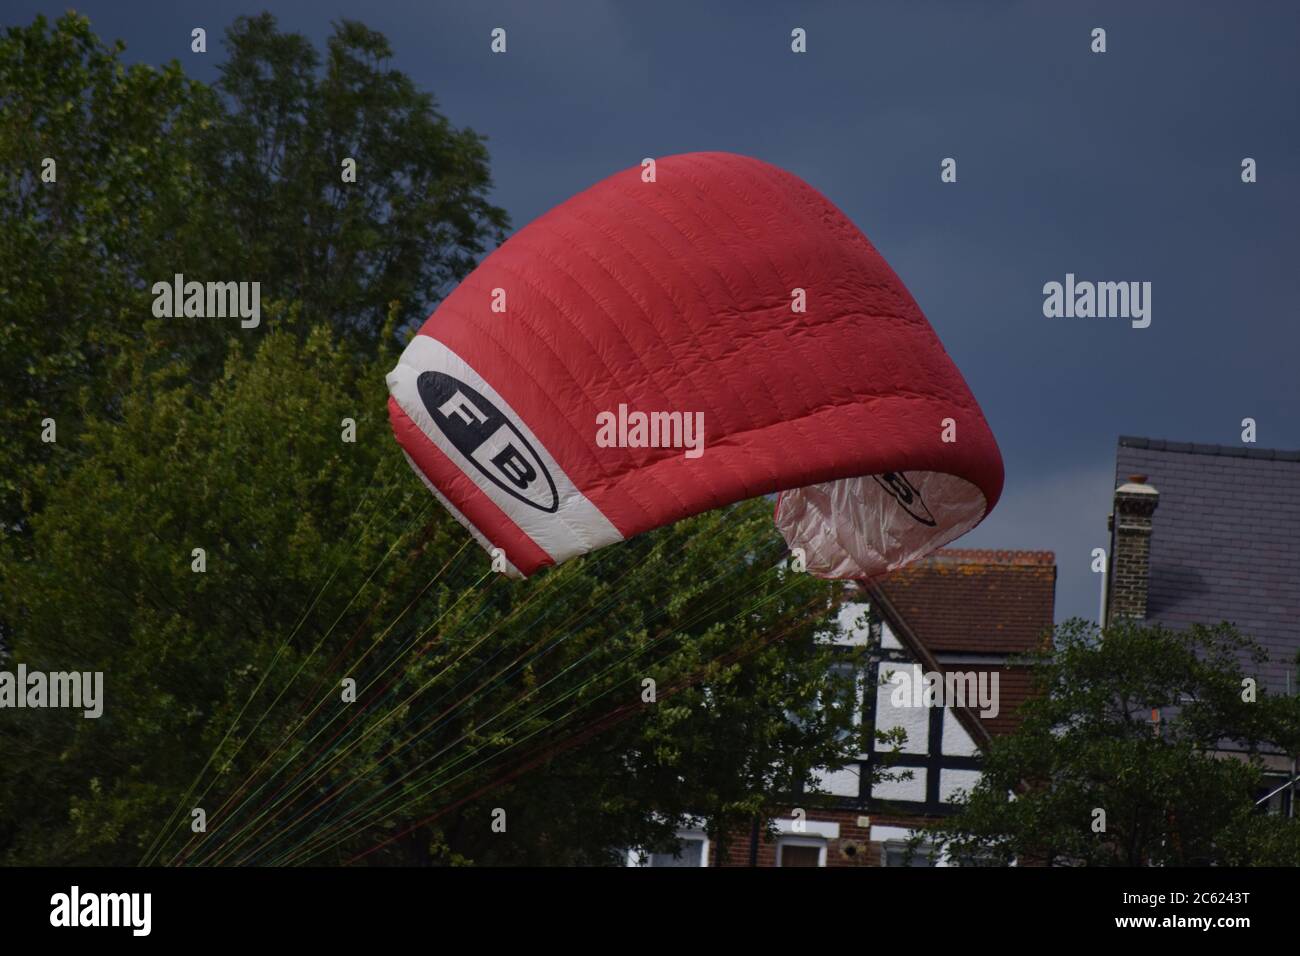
1130, 555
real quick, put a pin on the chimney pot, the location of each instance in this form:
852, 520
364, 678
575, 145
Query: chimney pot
1138, 479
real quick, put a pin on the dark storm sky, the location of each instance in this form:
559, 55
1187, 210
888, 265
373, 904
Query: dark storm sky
1122, 166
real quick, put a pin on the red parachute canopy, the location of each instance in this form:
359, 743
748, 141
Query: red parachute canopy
725, 306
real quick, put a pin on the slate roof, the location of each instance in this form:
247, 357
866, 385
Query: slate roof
972, 601
1225, 541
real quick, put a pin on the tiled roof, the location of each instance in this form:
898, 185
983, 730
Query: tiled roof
1225, 541
1015, 686
976, 601
989, 556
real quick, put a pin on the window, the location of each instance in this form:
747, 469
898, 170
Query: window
800, 851
694, 851
1275, 797
895, 853
692, 854
980, 857
848, 694
842, 695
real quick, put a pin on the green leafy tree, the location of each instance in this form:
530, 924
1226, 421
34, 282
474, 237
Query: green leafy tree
413, 223
1088, 743
157, 174
205, 533
128, 205
326, 559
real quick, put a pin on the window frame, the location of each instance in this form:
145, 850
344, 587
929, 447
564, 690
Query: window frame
641, 859
793, 839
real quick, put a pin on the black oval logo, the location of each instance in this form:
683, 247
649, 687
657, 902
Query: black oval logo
489, 439
903, 491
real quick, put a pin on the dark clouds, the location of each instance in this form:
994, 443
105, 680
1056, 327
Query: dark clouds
1122, 166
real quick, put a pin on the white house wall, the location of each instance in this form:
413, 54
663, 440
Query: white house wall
914, 720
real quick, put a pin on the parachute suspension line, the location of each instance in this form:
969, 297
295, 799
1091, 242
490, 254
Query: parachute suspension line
288, 790
591, 611
377, 724
159, 841
306, 660
399, 800
301, 721
514, 704
536, 593
241, 835
439, 784
356, 634
699, 617
592, 729
156, 845
235, 794
398, 748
